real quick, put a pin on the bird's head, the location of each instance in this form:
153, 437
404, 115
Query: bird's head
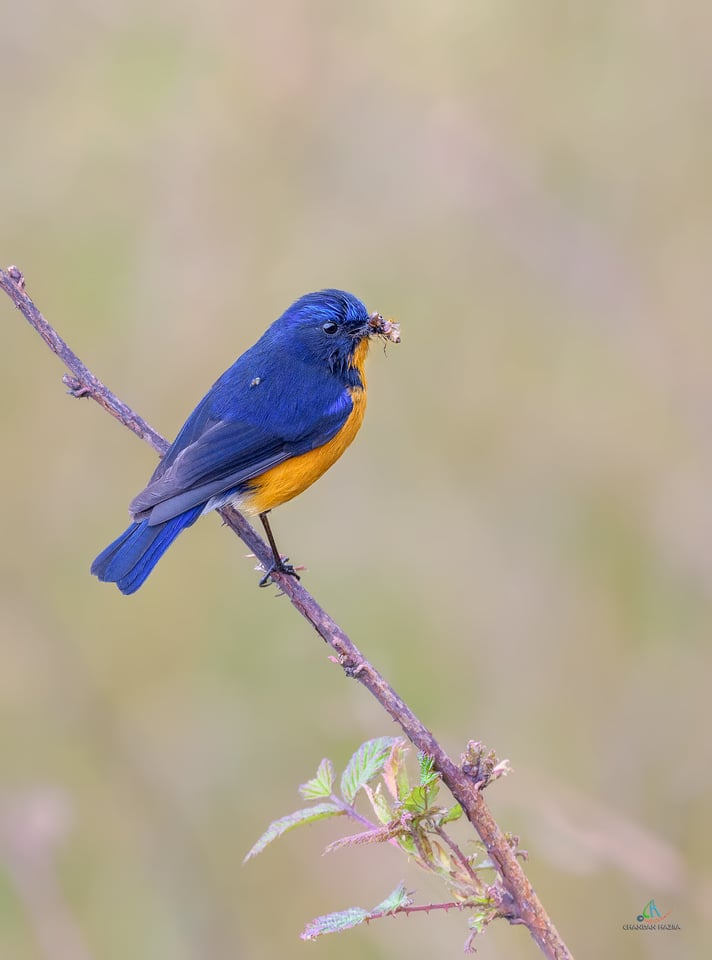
330, 326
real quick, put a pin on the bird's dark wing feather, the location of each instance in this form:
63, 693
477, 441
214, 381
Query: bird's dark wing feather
215, 452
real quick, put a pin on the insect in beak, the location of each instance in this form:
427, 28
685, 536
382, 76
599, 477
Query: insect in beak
388, 329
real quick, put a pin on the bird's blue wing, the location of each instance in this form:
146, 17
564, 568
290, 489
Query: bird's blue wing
239, 430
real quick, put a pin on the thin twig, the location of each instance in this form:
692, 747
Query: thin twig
458, 854
423, 908
520, 903
351, 811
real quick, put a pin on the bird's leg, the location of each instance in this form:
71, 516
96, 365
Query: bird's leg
280, 565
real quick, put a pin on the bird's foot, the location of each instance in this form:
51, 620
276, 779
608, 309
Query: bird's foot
279, 566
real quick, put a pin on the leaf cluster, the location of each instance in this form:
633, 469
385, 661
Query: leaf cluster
403, 812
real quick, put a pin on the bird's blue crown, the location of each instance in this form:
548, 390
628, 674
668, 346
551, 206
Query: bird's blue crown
325, 325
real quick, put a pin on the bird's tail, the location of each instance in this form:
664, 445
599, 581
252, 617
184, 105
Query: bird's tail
131, 557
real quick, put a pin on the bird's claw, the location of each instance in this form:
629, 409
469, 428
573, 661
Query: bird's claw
281, 566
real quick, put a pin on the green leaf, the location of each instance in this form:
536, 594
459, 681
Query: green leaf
480, 920
321, 785
364, 765
320, 811
454, 813
381, 806
420, 799
354, 916
428, 774
334, 922
395, 774
407, 843
398, 898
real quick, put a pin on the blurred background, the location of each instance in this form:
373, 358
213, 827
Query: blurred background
519, 539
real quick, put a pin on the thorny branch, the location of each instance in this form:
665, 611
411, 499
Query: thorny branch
519, 902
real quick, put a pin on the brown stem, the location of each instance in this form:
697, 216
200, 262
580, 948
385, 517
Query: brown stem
520, 902
425, 908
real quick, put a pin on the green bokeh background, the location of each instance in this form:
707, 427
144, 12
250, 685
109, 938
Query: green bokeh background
520, 538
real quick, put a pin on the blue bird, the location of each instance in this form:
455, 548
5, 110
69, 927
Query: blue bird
273, 423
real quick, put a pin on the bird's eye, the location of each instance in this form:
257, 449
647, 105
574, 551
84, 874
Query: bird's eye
330, 327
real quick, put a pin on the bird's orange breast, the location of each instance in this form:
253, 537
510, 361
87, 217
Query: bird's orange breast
289, 479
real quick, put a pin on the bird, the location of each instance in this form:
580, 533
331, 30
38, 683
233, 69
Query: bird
270, 426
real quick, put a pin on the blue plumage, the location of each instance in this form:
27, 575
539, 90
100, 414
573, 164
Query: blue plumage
131, 557
287, 395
